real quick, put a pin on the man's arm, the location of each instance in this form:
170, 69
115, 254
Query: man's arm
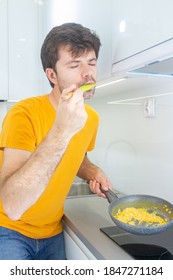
24, 175
95, 176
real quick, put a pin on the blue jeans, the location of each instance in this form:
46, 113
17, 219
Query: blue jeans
15, 246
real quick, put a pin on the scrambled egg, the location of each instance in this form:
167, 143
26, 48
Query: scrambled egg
166, 208
139, 216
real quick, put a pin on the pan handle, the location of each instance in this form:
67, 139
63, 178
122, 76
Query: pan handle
110, 195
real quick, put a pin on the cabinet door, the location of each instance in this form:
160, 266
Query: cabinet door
24, 49
73, 251
139, 24
3, 51
96, 15
75, 248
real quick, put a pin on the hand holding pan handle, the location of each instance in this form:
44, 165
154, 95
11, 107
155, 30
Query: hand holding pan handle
110, 195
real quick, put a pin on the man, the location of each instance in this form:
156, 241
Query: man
43, 146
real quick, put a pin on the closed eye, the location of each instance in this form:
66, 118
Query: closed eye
92, 64
75, 66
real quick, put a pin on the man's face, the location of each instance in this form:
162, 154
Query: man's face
76, 70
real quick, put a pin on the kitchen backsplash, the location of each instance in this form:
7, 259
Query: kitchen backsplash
134, 150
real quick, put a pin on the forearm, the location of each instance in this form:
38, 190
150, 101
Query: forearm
87, 170
21, 190
96, 178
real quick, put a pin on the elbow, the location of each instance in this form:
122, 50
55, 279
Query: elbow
11, 209
11, 212
13, 217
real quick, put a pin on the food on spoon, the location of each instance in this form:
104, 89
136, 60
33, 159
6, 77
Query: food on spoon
140, 216
84, 88
87, 87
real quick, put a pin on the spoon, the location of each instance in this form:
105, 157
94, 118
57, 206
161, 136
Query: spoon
83, 88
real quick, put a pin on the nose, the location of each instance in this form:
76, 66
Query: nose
86, 72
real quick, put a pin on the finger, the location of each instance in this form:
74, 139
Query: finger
95, 187
92, 184
72, 92
68, 92
98, 190
77, 96
67, 96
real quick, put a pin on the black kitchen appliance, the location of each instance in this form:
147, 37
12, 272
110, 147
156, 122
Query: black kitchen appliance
143, 247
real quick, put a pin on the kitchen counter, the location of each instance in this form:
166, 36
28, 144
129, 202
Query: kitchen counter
85, 215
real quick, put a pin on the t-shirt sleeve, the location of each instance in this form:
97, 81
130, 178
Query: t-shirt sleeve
17, 131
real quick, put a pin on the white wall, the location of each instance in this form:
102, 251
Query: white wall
135, 151
3, 50
3, 111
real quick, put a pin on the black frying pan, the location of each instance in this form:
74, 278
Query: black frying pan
161, 206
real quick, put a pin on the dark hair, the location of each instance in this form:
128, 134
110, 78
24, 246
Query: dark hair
77, 37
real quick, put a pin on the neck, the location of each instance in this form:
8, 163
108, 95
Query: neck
54, 97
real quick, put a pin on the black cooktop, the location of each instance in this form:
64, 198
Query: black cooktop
143, 247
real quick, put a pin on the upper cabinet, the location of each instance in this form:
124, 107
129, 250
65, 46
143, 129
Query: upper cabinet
97, 15
3, 51
138, 25
125, 27
24, 31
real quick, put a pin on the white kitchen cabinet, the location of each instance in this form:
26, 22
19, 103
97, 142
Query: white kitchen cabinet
75, 249
3, 51
96, 15
24, 32
138, 25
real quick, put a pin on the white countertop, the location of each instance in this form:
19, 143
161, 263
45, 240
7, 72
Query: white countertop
85, 215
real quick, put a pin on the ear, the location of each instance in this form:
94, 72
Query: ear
51, 75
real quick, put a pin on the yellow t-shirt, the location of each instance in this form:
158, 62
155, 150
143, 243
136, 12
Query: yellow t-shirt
24, 127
